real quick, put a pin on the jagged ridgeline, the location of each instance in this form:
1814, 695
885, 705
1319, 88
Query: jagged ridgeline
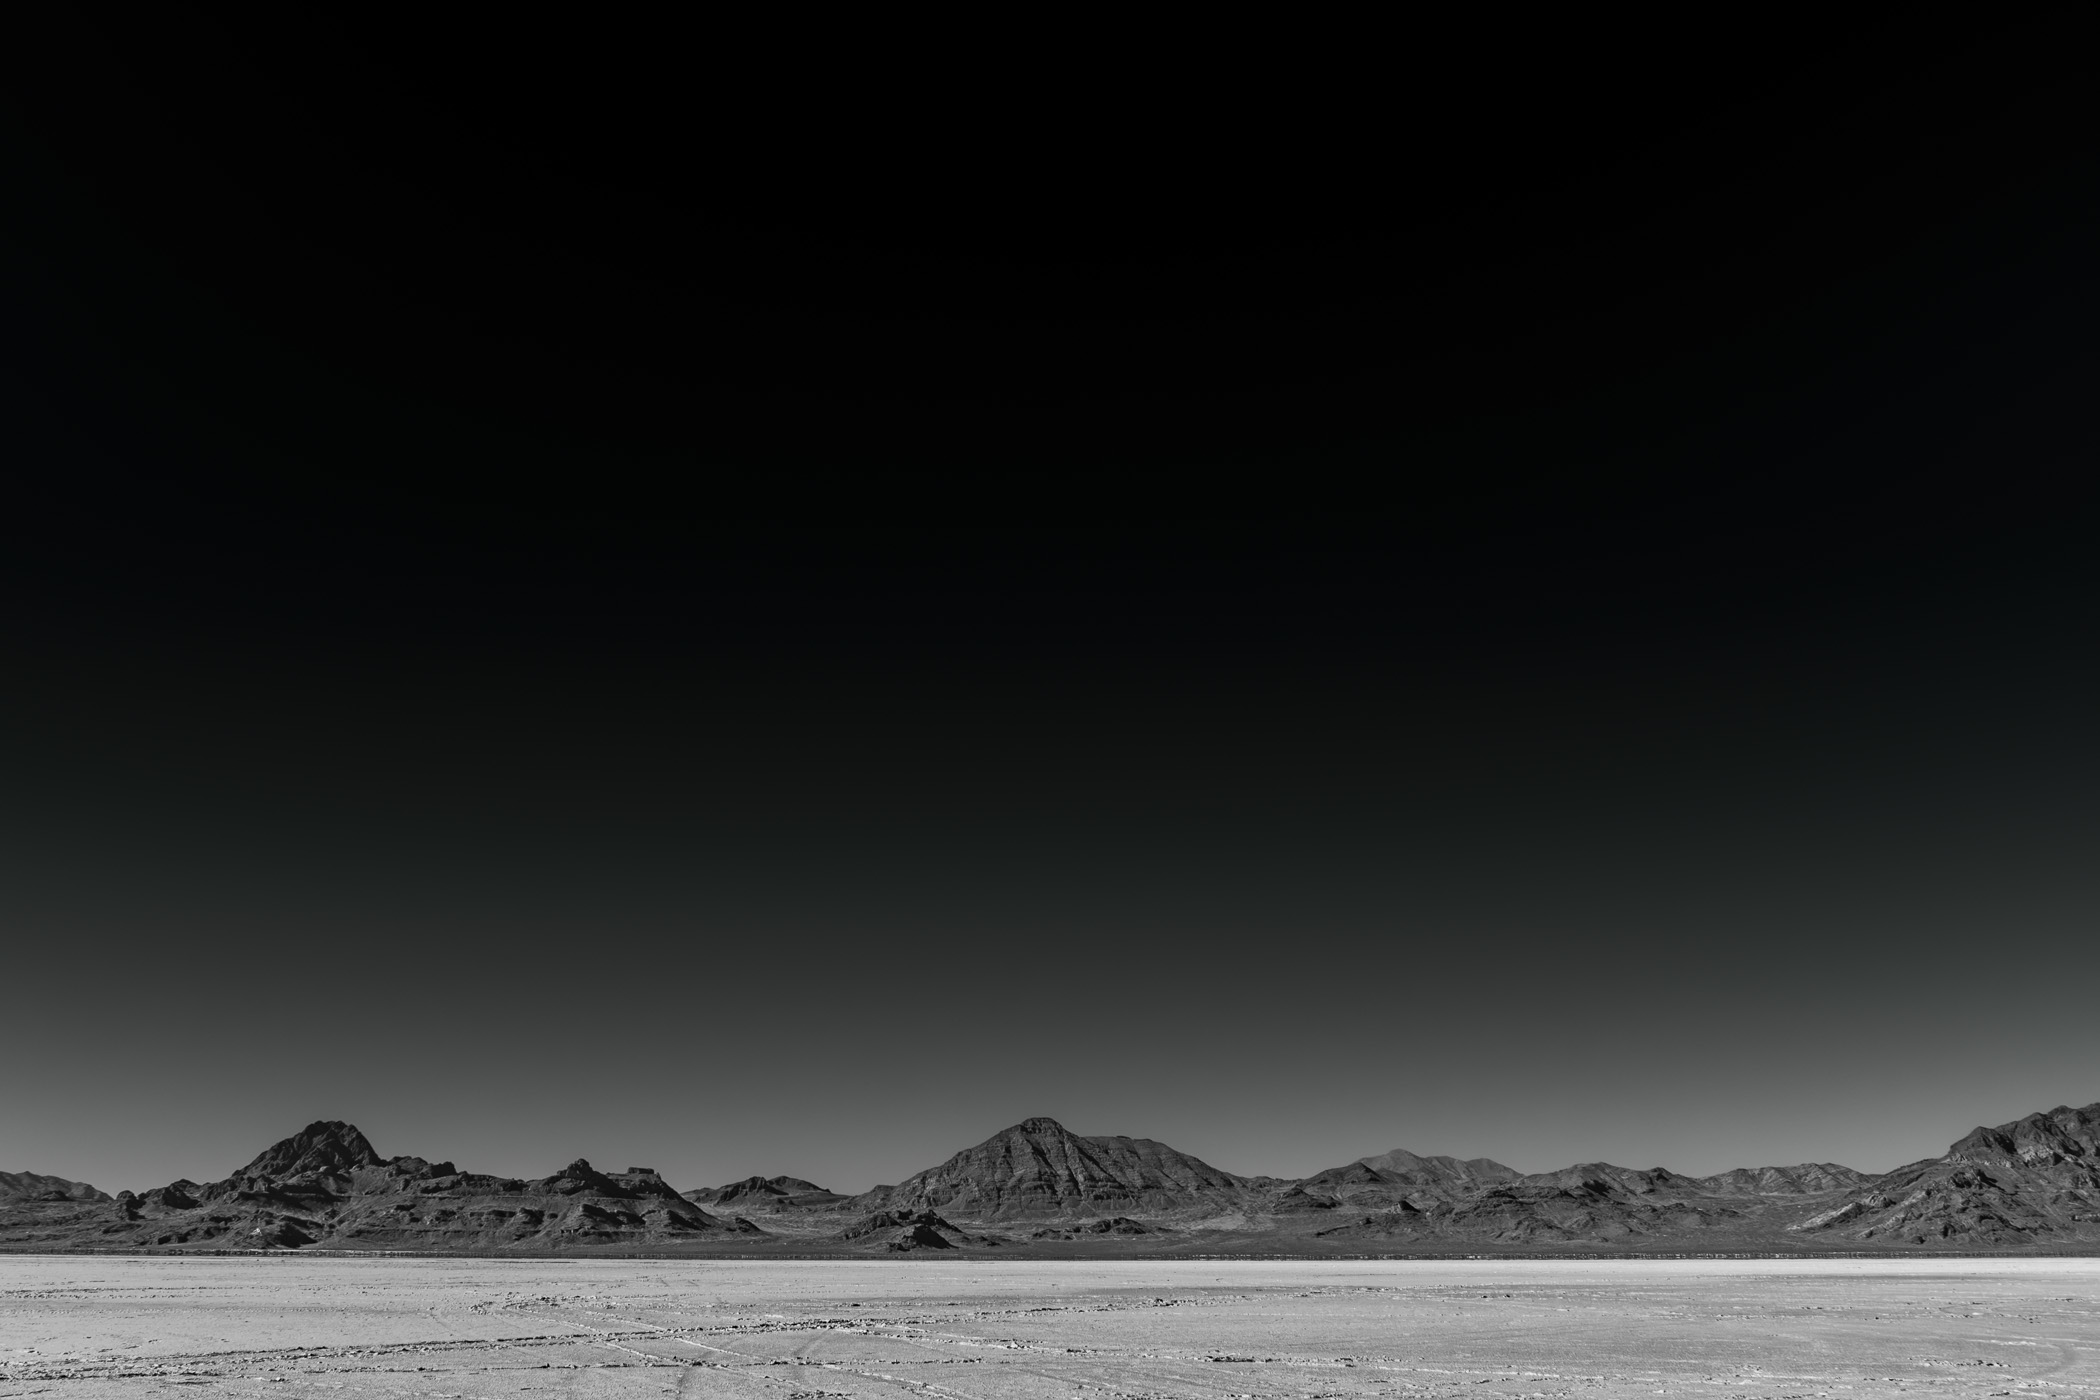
1037, 1187
326, 1183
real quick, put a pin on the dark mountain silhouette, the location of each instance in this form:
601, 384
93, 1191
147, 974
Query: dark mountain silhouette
18, 1187
2035, 1182
1038, 1169
2029, 1184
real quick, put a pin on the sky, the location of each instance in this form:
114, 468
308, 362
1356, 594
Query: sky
748, 655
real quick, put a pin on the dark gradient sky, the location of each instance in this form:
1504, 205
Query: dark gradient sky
543, 621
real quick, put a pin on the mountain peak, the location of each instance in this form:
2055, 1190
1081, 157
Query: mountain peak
1038, 1167
320, 1146
1039, 1126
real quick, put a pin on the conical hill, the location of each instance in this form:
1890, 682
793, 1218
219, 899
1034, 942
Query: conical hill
1039, 1169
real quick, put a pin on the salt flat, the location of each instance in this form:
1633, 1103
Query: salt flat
981, 1330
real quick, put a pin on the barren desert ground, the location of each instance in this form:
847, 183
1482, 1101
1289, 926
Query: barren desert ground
290, 1326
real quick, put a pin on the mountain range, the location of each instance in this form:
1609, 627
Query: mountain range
1036, 1187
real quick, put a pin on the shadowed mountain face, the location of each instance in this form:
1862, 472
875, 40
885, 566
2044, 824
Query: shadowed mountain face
19, 1187
2034, 1183
1038, 1169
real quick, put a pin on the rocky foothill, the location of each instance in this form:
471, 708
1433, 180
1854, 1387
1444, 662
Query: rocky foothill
2031, 1185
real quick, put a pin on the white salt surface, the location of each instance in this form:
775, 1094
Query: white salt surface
980, 1330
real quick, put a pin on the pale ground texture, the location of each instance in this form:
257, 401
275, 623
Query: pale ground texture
298, 1325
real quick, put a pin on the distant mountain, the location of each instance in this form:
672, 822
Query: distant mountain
18, 1187
1605, 1176
1037, 1169
2029, 1184
1595, 1203
766, 1194
1438, 1171
1572, 1207
1356, 1185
